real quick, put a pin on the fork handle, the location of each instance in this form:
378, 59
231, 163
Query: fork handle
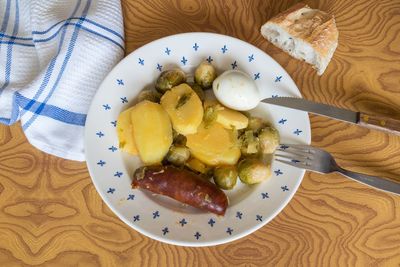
374, 181
379, 123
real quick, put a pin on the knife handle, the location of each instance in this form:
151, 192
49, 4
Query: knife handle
380, 123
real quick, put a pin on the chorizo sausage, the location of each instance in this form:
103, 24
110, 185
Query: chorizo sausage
181, 185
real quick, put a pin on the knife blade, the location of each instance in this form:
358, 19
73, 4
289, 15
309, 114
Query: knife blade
359, 118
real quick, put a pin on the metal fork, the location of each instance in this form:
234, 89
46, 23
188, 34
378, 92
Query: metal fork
318, 160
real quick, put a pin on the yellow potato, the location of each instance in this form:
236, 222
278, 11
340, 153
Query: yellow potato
232, 119
152, 131
214, 145
184, 107
125, 132
196, 165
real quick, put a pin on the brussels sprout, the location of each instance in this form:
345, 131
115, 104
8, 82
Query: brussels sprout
169, 79
179, 139
210, 115
225, 177
178, 155
249, 143
253, 171
269, 140
198, 90
149, 95
205, 74
256, 124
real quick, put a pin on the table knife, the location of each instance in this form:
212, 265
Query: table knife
360, 118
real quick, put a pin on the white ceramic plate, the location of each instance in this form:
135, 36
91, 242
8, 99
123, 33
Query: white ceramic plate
164, 219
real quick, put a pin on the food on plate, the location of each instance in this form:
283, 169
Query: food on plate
191, 144
184, 108
125, 132
214, 145
169, 79
269, 140
182, 185
178, 155
225, 176
236, 90
253, 171
197, 166
205, 74
150, 95
304, 33
152, 131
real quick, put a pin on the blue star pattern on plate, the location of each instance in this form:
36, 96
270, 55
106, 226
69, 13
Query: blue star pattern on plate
278, 79
167, 51
211, 222
295, 161
251, 57
165, 230
229, 230
195, 47
159, 67
284, 188
141, 62
197, 235
257, 76
283, 147
113, 148
183, 222
106, 107
184, 60
224, 49
136, 218
131, 197
210, 59
264, 195
239, 215
282, 121
234, 65
120, 82
156, 214
278, 172
274, 96
118, 174
114, 123
111, 190
101, 163
259, 218
297, 132
100, 134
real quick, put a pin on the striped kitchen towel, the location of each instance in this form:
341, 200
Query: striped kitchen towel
53, 56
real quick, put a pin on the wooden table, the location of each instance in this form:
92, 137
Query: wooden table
51, 214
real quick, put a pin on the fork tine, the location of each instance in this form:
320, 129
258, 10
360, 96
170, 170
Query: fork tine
298, 164
296, 152
291, 156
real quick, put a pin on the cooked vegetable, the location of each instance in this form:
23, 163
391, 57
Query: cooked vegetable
198, 166
178, 155
125, 132
256, 124
269, 140
231, 118
253, 171
210, 115
199, 91
179, 139
214, 145
205, 74
169, 79
225, 177
150, 95
184, 108
152, 131
249, 143
181, 185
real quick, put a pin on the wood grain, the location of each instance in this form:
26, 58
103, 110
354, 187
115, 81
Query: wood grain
51, 215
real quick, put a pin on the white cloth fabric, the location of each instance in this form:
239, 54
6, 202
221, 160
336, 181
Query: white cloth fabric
53, 56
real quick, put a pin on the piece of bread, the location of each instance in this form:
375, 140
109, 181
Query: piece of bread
304, 33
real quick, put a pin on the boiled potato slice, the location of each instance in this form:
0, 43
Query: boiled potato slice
214, 145
232, 119
196, 165
125, 132
184, 108
152, 131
